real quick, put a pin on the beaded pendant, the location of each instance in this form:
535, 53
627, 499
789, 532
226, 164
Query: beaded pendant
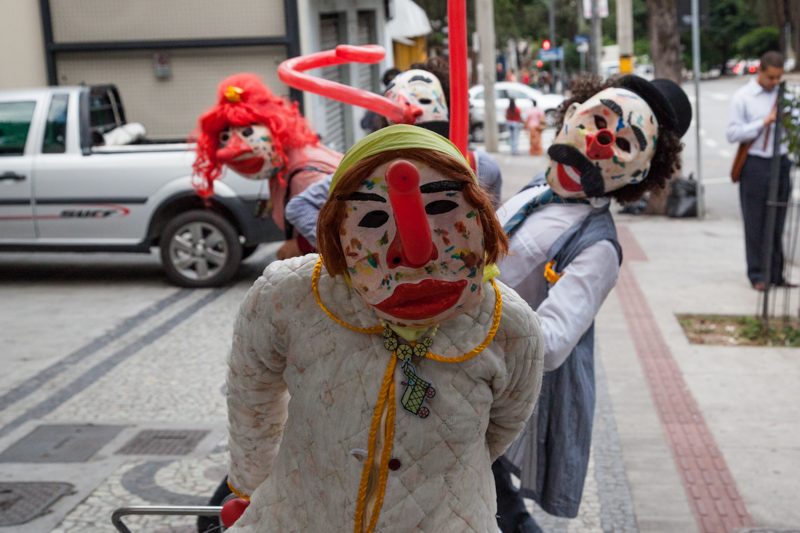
417, 390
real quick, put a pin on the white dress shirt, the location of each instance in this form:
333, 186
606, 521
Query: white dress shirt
569, 308
750, 105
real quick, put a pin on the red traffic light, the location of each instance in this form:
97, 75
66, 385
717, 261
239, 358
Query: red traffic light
539, 63
546, 44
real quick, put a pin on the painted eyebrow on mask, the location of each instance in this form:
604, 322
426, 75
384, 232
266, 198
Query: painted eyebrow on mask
639, 137
420, 77
612, 105
361, 197
442, 186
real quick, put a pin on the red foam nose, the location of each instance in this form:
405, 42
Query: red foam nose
413, 246
235, 147
600, 145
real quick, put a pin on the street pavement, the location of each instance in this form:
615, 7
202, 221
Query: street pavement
112, 390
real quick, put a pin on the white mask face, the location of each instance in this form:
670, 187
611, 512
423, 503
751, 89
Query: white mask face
422, 89
605, 144
445, 281
249, 150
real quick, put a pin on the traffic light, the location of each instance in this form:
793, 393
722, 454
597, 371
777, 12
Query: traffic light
539, 63
546, 44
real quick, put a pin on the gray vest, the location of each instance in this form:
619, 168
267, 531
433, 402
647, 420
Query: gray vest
551, 456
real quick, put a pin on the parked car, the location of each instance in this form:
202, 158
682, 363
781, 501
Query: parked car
75, 176
504, 90
742, 67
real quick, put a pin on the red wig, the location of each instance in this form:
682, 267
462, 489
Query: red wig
242, 100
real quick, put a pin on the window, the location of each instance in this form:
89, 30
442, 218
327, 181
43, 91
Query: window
478, 95
15, 121
103, 110
518, 95
55, 134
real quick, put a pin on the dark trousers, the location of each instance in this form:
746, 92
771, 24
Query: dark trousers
753, 195
510, 506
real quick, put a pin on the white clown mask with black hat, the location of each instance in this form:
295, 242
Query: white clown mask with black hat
609, 141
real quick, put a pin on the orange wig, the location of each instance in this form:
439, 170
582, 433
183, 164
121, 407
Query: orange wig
242, 100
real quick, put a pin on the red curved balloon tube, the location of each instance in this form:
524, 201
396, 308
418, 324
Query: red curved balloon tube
291, 72
459, 103
409, 215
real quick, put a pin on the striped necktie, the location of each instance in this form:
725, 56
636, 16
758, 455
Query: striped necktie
546, 197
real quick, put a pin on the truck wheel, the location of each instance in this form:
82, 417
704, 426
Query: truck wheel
200, 249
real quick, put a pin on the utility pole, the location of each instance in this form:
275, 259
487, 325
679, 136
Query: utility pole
484, 18
551, 19
625, 35
701, 204
597, 38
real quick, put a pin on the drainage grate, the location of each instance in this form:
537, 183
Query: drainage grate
163, 442
60, 444
22, 502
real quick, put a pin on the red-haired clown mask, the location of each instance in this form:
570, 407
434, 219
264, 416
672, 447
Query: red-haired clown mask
605, 143
422, 89
249, 151
413, 245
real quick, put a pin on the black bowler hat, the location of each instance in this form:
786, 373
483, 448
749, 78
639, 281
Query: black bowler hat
666, 98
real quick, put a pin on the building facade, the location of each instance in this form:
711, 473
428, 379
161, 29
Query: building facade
167, 56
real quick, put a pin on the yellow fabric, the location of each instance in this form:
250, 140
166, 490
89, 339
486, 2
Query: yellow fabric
550, 274
406, 55
490, 271
397, 137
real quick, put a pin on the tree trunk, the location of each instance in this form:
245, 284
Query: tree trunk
794, 23
665, 42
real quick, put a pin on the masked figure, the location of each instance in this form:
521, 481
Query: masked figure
371, 387
261, 136
616, 141
423, 89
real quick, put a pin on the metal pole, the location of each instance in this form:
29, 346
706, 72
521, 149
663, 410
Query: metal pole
625, 35
484, 18
597, 37
551, 19
772, 204
701, 204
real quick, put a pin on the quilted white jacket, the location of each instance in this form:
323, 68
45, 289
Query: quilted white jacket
301, 392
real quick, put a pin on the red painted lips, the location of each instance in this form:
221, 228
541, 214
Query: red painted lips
567, 181
250, 165
426, 299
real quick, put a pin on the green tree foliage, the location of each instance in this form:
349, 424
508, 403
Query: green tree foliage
757, 41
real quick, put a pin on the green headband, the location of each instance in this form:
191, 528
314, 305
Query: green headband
397, 137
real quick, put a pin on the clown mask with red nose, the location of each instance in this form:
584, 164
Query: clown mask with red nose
606, 143
423, 90
411, 230
249, 151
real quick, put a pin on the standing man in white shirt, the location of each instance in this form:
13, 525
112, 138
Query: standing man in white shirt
752, 119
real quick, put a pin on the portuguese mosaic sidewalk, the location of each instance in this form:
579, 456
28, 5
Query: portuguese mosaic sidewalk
686, 438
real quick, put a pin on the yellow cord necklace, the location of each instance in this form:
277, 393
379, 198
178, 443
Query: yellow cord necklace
386, 396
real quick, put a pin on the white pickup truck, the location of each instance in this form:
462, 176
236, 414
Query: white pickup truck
67, 184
